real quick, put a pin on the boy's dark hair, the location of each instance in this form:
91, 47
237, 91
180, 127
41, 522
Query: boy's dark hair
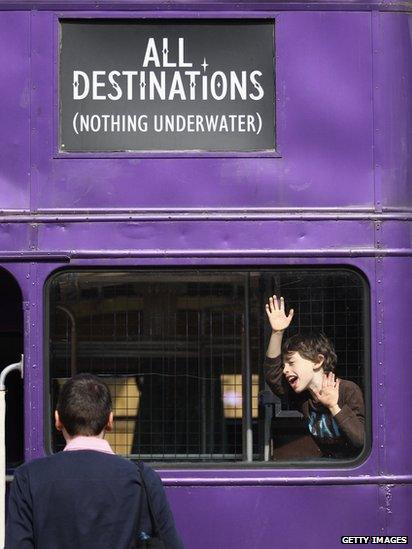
311, 345
84, 405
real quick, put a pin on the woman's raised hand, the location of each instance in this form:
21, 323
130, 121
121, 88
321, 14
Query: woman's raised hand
275, 309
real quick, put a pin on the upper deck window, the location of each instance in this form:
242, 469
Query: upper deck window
183, 353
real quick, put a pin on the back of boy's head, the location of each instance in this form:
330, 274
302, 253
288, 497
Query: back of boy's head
310, 346
84, 405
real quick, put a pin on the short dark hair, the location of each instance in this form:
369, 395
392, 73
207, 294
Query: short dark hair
84, 405
311, 345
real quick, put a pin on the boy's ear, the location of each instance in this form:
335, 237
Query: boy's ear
57, 423
319, 362
109, 426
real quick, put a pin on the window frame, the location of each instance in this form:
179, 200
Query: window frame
321, 463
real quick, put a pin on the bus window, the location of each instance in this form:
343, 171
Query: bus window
183, 350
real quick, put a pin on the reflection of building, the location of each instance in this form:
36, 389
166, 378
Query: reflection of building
126, 401
232, 388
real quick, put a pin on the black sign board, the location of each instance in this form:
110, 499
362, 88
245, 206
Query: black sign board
133, 85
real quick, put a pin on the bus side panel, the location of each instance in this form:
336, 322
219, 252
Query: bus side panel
14, 110
393, 95
396, 392
323, 133
398, 510
262, 517
14, 236
187, 237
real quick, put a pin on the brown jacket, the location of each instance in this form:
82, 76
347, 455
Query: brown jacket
341, 436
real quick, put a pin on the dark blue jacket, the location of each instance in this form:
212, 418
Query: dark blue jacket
84, 500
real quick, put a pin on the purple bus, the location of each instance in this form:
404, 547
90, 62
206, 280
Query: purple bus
164, 169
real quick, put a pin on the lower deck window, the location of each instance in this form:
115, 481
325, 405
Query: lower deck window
182, 352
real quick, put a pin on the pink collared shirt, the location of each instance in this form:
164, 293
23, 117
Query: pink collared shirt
88, 443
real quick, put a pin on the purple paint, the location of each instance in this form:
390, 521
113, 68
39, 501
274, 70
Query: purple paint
258, 517
15, 110
393, 109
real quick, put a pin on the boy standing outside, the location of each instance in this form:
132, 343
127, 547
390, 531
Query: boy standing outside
86, 496
332, 407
